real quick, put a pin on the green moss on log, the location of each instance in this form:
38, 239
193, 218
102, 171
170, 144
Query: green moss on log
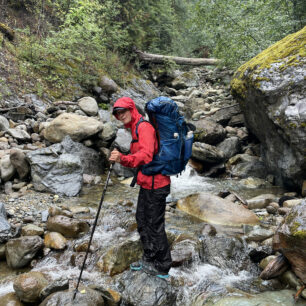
7, 31
289, 51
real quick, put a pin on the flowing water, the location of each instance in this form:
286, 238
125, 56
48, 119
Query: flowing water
115, 225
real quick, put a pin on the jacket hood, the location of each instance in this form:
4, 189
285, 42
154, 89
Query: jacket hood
126, 102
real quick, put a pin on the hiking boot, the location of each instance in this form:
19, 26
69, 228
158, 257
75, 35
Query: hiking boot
153, 271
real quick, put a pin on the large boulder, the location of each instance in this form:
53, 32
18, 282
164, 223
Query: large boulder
213, 209
60, 167
290, 239
271, 91
76, 126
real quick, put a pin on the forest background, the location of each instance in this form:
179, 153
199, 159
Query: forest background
58, 43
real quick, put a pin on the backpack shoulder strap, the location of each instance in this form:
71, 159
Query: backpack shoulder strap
137, 125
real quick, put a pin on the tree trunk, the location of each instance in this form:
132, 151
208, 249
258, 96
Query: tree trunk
160, 59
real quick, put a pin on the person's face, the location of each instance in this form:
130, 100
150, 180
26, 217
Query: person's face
124, 116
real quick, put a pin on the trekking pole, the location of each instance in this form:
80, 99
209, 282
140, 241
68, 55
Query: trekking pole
93, 230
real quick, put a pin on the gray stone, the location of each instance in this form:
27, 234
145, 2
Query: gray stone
88, 105
18, 160
18, 134
20, 251
4, 124
6, 168
230, 147
207, 153
5, 227
209, 131
123, 140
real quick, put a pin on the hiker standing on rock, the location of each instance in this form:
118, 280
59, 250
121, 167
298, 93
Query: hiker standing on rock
154, 189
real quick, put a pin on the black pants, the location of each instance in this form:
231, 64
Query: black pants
150, 217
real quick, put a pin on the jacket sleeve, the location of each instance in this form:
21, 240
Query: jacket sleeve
146, 144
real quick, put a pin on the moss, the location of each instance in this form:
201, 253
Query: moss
296, 231
287, 51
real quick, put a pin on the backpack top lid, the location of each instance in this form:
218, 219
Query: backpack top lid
164, 106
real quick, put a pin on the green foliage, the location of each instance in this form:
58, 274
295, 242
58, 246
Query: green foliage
237, 30
76, 41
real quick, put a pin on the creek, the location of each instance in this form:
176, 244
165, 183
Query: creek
116, 223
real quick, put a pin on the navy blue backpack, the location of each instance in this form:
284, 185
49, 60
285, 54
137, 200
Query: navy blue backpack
174, 134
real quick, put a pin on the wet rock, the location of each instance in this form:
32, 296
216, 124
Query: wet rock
18, 160
226, 253
290, 279
230, 147
245, 169
259, 234
113, 297
29, 285
275, 267
5, 227
55, 286
7, 169
260, 252
253, 182
142, 289
208, 229
54, 240
77, 127
86, 297
290, 239
261, 201
207, 153
88, 105
10, 299
280, 297
118, 258
183, 252
264, 262
20, 251
32, 230
209, 131
67, 226
215, 210
271, 93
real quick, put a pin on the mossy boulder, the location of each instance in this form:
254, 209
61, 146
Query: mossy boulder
271, 91
290, 239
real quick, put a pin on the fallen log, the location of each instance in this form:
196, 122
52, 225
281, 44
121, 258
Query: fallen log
160, 59
7, 31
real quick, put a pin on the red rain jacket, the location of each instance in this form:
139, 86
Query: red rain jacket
142, 151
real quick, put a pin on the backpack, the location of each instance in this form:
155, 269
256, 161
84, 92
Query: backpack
175, 137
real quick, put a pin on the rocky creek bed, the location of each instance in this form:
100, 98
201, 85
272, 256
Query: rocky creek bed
236, 236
